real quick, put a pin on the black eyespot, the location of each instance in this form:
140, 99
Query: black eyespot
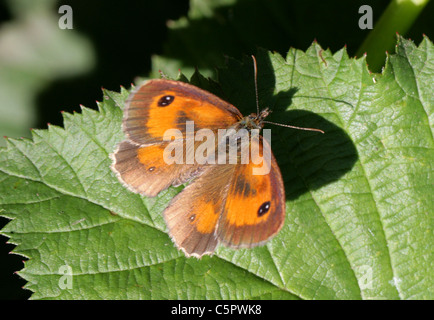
192, 217
151, 169
263, 209
165, 101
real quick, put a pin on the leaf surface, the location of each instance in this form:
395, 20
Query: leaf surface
359, 198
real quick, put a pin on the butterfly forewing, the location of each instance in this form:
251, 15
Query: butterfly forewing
161, 105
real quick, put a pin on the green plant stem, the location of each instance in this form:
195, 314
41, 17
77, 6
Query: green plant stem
397, 18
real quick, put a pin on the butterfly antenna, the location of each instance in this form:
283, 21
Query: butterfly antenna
255, 71
257, 104
293, 127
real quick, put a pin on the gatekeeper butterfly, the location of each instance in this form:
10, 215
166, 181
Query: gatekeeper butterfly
224, 202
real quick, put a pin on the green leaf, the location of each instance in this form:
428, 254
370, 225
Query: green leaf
359, 198
398, 17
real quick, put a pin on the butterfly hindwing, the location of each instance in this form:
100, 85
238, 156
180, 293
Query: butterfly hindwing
144, 170
254, 209
192, 216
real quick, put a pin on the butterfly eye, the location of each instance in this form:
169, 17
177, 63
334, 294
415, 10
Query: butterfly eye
263, 209
165, 101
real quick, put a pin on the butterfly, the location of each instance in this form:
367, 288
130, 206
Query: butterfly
223, 203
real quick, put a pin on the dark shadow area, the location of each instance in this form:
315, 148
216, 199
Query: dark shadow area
276, 25
311, 160
125, 35
10, 283
308, 160
5, 14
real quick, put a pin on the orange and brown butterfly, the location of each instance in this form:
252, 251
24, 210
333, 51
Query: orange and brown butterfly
223, 203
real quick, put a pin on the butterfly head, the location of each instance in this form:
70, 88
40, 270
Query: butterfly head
262, 115
255, 121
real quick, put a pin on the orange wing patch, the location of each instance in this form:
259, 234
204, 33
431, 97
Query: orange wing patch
192, 216
255, 206
159, 105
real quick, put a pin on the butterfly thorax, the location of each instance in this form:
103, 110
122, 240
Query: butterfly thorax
254, 121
